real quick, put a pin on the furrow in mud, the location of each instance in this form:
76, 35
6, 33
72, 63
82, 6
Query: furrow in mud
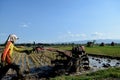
47, 60
34, 61
23, 65
37, 60
31, 63
27, 63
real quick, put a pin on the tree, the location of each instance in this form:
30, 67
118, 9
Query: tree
112, 43
89, 44
102, 44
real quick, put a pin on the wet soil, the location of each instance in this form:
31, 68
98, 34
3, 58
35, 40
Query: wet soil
98, 63
37, 66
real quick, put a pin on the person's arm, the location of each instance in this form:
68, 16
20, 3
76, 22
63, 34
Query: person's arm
27, 51
18, 49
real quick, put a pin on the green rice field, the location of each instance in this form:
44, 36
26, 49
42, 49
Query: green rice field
113, 51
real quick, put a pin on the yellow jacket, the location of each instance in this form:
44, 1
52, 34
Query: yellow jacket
8, 52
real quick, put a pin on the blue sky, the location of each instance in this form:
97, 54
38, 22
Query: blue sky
59, 20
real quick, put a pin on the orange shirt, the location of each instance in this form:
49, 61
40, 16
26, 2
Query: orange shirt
8, 52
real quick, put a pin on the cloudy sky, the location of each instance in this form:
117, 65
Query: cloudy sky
59, 20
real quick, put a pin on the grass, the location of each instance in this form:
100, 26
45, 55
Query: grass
110, 74
113, 51
63, 47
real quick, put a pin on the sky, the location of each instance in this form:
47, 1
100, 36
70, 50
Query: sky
49, 21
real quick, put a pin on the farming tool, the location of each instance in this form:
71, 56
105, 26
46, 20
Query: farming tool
37, 49
71, 61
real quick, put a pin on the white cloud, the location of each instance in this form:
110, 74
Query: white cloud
112, 35
69, 36
83, 35
97, 35
25, 25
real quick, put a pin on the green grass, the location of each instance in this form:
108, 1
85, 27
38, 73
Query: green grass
113, 51
63, 47
110, 74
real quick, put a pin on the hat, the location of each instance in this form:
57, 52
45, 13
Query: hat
12, 37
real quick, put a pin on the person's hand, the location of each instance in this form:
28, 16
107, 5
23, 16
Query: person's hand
27, 52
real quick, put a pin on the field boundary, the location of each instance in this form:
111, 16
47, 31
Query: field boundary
103, 56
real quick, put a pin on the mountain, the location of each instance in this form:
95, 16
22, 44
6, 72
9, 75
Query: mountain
97, 41
108, 40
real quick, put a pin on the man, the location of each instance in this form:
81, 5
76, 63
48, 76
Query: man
6, 57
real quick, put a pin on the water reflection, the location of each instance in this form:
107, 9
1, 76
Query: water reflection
101, 63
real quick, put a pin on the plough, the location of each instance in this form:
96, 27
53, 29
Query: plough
75, 60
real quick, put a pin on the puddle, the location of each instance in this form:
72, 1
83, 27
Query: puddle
30, 62
101, 63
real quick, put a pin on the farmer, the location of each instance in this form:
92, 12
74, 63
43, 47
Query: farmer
6, 57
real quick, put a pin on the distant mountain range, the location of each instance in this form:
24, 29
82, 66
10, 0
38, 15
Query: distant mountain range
97, 41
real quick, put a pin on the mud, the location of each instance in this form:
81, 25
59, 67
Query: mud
38, 67
98, 63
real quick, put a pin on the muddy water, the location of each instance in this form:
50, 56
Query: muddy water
96, 63
101, 63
